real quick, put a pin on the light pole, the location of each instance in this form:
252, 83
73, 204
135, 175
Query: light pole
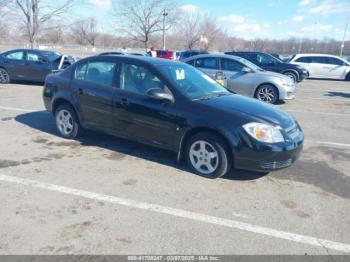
164, 16
345, 31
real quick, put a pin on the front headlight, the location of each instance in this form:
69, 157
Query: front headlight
264, 133
284, 82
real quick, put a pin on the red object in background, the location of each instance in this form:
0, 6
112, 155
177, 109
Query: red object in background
166, 54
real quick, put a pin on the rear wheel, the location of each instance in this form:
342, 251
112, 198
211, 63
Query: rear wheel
267, 93
208, 155
4, 76
292, 76
67, 122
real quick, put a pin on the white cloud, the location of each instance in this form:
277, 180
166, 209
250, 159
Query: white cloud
306, 2
328, 7
232, 19
298, 18
190, 8
101, 4
247, 27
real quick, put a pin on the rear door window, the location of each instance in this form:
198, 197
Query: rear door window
101, 73
209, 63
319, 60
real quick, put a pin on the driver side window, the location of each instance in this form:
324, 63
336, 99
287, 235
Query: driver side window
138, 79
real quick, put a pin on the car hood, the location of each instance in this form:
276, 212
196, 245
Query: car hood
251, 110
272, 74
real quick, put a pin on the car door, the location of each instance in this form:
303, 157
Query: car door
14, 64
336, 68
36, 66
236, 80
319, 67
141, 117
94, 85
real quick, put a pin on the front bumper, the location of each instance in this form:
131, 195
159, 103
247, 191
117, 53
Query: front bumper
260, 157
303, 75
287, 92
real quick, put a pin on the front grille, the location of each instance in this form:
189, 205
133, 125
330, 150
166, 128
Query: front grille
276, 164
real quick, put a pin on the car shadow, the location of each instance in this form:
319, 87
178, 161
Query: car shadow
338, 94
43, 121
31, 83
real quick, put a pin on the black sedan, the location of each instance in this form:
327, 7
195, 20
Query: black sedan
173, 106
30, 65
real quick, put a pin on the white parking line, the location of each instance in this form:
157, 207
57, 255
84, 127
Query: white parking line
16, 109
317, 112
334, 144
183, 214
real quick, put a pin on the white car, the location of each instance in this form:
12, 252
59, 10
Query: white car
323, 66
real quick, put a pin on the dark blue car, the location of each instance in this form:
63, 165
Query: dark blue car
30, 64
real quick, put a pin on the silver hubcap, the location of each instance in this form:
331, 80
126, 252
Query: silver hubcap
4, 77
266, 94
204, 158
64, 122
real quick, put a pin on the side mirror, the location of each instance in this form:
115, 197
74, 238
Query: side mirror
159, 94
246, 70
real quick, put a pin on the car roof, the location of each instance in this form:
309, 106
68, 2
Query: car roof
134, 58
212, 56
313, 54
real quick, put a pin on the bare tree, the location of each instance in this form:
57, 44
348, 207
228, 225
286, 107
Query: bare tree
190, 29
36, 13
85, 31
140, 19
210, 31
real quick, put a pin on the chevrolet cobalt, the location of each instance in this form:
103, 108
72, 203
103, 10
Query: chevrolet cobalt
173, 106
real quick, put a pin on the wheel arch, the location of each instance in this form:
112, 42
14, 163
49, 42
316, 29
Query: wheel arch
201, 129
65, 100
292, 71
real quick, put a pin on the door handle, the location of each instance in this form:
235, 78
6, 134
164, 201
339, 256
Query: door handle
81, 91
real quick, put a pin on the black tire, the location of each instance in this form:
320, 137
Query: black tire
4, 76
75, 129
223, 162
267, 93
291, 75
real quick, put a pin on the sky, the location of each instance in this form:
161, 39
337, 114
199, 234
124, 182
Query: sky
275, 19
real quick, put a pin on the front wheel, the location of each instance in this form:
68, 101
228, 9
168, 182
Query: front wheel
208, 155
67, 122
267, 93
291, 76
4, 76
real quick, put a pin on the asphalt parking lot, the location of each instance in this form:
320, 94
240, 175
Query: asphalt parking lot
103, 195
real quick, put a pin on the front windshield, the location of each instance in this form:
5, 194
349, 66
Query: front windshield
51, 56
193, 83
249, 64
